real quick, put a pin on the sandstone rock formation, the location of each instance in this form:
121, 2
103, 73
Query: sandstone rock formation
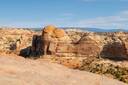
88, 47
77, 44
49, 29
65, 43
49, 33
62, 43
59, 33
53, 31
115, 50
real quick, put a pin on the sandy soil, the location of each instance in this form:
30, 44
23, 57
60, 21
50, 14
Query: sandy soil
19, 71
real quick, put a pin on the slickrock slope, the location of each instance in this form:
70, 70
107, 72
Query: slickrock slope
19, 71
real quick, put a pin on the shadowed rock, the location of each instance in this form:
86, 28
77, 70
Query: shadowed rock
115, 51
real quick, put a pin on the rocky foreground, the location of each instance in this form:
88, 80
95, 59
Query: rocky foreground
101, 53
20, 71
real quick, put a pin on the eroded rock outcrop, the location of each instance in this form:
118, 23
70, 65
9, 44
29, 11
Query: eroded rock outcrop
64, 43
88, 47
115, 50
56, 41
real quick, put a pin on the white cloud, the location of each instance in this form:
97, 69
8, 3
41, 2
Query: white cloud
124, 13
118, 21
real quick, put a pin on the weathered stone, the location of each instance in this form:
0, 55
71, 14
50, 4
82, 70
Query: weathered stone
34, 43
88, 47
51, 36
73, 42
59, 33
36, 49
115, 50
75, 36
71, 62
66, 48
49, 29
65, 39
52, 47
46, 38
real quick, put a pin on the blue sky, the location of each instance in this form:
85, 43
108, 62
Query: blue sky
105, 14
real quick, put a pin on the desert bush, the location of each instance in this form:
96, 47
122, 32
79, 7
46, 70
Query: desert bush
117, 72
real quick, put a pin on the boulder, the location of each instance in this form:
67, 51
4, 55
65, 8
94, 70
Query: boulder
53, 31
49, 29
59, 33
